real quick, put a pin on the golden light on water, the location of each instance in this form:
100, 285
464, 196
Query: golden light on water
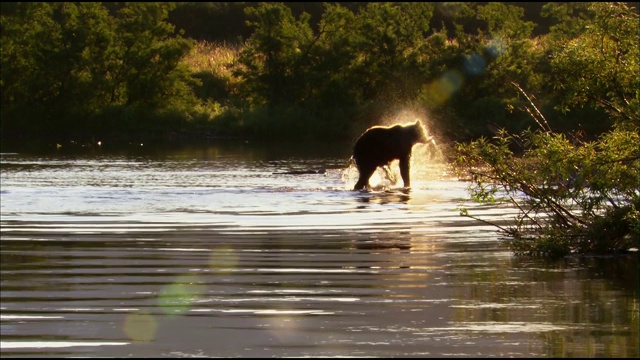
282, 327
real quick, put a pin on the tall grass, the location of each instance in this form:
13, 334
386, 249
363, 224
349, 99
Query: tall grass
212, 64
215, 58
223, 112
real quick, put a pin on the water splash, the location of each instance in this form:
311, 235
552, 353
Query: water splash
383, 178
428, 161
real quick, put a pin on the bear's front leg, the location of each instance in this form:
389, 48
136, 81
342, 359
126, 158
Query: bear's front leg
404, 170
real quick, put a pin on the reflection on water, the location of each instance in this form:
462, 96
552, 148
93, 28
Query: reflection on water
212, 251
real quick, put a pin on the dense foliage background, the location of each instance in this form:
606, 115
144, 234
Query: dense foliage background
311, 71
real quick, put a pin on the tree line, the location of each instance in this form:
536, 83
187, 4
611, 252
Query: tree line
116, 70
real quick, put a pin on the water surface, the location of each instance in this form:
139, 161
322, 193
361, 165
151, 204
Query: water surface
214, 251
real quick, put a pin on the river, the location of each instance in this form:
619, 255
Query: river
225, 250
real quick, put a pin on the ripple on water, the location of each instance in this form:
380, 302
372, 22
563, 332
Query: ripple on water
209, 253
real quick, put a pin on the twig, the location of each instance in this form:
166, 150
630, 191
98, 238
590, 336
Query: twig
547, 128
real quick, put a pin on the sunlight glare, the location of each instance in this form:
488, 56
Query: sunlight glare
428, 161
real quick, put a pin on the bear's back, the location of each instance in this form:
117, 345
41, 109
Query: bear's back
381, 144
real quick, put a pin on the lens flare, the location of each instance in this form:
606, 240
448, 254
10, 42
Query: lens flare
177, 297
496, 47
140, 327
439, 91
223, 259
474, 64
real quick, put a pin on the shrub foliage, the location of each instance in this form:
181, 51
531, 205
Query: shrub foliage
572, 196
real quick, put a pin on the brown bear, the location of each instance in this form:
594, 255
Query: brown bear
379, 145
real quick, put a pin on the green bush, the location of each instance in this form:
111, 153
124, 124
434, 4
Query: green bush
63, 64
573, 196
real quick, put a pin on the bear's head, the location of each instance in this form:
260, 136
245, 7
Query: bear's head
419, 133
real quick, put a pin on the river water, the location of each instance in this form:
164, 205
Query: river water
218, 251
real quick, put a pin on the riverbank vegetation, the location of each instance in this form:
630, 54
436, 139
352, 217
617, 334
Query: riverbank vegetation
305, 71
575, 193
539, 98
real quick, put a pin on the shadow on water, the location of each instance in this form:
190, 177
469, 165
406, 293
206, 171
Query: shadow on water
209, 251
385, 196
